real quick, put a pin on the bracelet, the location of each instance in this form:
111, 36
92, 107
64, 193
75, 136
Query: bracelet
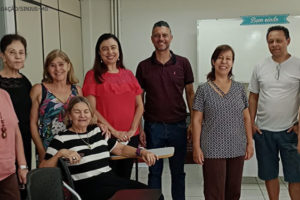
138, 151
23, 167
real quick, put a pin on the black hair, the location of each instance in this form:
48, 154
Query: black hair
160, 24
99, 66
279, 28
222, 48
10, 38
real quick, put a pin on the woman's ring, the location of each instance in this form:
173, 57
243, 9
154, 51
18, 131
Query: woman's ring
74, 158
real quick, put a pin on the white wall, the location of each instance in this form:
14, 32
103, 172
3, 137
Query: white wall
46, 29
138, 16
9, 17
96, 19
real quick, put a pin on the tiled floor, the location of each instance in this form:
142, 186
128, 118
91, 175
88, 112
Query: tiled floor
252, 188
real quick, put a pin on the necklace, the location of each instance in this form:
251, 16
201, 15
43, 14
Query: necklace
3, 128
85, 142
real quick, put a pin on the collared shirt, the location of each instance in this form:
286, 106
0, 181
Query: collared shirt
278, 87
164, 85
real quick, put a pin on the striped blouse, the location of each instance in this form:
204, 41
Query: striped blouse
93, 147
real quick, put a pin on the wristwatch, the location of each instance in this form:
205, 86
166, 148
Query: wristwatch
138, 151
23, 167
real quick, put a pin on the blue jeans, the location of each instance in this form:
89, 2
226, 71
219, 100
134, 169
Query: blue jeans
165, 135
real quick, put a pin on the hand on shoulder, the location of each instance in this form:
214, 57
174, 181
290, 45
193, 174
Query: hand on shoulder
79, 90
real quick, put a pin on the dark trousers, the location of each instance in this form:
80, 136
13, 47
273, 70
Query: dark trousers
223, 178
26, 137
103, 186
123, 168
168, 135
9, 188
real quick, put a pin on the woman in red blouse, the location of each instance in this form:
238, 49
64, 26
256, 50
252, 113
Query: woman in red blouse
116, 95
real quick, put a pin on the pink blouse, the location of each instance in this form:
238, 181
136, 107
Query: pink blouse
7, 145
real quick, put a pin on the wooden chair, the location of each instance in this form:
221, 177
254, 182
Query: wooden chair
165, 152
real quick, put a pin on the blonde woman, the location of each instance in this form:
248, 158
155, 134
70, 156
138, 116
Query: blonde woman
50, 98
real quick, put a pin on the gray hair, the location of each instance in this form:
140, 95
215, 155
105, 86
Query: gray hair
160, 24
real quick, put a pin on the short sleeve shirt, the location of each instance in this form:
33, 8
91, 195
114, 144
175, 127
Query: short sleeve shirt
278, 87
164, 85
94, 160
115, 97
223, 132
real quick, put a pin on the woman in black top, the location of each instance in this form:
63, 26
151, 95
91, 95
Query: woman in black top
13, 54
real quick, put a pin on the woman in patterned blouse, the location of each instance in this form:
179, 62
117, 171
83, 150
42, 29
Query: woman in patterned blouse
222, 137
50, 98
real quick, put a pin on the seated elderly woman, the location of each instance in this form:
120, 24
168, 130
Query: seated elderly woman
88, 150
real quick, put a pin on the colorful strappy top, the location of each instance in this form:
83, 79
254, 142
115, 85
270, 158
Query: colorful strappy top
51, 114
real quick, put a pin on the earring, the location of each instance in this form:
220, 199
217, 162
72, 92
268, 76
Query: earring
101, 61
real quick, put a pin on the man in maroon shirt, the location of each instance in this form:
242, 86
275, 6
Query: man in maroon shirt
163, 77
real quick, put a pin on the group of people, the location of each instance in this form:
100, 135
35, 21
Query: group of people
224, 123
85, 130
